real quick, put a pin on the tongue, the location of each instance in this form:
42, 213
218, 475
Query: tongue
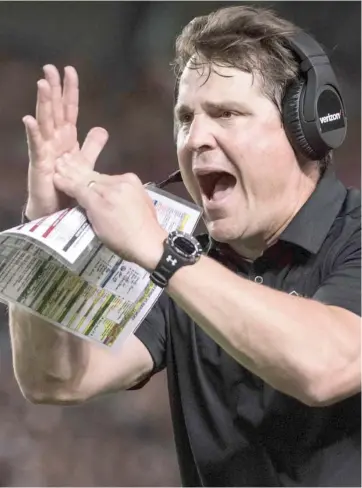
223, 186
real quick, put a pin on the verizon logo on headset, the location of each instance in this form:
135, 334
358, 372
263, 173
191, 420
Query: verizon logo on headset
330, 117
330, 112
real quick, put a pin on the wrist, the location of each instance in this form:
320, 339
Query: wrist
152, 255
180, 249
33, 211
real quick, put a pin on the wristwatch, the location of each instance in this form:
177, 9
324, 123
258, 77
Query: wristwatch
180, 249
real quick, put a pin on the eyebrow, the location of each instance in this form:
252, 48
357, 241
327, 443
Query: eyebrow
227, 104
181, 109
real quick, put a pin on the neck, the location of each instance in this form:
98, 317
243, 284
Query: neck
253, 247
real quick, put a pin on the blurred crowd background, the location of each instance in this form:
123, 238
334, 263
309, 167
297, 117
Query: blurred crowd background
122, 51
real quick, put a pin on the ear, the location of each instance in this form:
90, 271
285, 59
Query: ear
292, 120
175, 131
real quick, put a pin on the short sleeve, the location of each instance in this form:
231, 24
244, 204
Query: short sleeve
153, 332
342, 287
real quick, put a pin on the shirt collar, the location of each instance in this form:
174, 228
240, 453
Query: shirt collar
311, 224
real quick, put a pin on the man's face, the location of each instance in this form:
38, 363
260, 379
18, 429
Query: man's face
234, 156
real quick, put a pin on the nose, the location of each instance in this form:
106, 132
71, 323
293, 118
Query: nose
200, 134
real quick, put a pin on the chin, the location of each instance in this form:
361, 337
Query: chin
222, 231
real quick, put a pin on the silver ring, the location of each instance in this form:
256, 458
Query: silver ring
91, 183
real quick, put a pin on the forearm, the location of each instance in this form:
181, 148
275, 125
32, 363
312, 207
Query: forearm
47, 361
295, 344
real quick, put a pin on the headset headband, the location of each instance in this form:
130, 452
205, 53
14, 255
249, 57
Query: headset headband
305, 46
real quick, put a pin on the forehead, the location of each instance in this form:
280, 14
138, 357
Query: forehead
217, 82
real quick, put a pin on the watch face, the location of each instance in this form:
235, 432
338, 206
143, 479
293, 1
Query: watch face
186, 245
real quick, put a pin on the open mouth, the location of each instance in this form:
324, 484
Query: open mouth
217, 184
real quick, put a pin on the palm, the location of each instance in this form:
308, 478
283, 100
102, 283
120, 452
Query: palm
64, 141
52, 134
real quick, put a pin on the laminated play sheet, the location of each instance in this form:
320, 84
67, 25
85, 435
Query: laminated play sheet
58, 269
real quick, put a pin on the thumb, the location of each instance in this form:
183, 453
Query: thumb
93, 145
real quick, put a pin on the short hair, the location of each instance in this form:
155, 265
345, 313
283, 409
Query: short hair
252, 39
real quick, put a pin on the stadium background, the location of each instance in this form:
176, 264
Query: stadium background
122, 51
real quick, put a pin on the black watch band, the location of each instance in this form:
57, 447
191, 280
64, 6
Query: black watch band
180, 250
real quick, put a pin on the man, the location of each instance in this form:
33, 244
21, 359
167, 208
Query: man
261, 335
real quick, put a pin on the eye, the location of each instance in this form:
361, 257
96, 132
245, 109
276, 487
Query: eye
185, 118
226, 114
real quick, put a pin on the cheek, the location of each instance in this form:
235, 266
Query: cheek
185, 165
265, 161
266, 148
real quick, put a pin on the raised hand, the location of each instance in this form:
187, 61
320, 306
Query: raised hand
52, 133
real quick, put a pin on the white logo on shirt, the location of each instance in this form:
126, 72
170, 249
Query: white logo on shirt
294, 293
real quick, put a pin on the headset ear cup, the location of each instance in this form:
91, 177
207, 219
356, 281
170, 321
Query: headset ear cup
292, 121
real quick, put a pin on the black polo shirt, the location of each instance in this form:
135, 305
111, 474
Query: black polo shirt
233, 429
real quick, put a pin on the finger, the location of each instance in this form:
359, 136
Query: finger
94, 143
84, 194
44, 110
110, 193
34, 139
65, 184
111, 181
53, 78
132, 178
71, 95
105, 191
73, 167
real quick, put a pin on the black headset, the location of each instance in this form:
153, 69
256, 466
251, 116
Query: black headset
314, 113
313, 110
